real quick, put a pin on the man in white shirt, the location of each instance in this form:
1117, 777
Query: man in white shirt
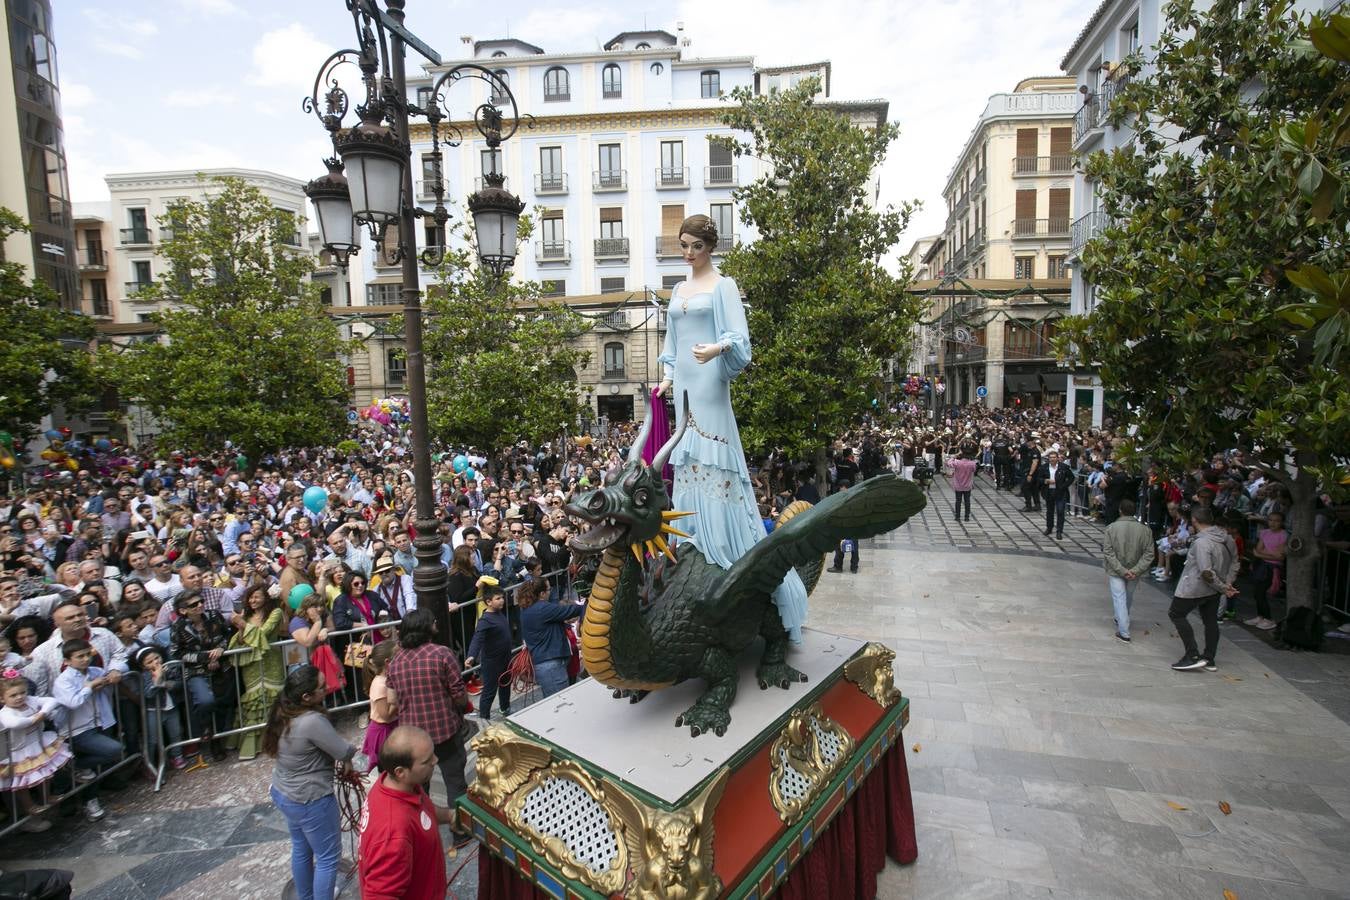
165, 585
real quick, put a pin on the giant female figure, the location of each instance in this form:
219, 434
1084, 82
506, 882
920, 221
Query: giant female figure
707, 344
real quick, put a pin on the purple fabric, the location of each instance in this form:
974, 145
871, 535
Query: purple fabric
963, 474
661, 431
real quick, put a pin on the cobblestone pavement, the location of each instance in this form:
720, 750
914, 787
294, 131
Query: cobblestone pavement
1048, 760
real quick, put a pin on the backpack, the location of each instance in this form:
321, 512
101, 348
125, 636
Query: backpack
1301, 628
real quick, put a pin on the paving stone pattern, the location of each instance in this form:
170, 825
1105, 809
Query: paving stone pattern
1047, 759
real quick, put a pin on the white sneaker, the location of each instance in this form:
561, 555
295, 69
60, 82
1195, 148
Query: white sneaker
1254, 621
93, 810
1266, 625
84, 776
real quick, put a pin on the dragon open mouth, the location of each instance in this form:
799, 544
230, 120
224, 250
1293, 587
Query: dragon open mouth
607, 533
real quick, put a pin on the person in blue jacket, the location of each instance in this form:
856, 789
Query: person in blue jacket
542, 624
491, 649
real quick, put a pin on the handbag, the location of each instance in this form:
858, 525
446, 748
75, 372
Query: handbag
358, 652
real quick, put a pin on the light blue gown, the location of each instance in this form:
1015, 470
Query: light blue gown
711, 479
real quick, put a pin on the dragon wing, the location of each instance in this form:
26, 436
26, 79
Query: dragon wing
874, 507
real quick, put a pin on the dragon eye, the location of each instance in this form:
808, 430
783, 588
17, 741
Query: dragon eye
642, 496
597, 503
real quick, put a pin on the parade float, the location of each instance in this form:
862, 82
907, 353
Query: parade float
639, 782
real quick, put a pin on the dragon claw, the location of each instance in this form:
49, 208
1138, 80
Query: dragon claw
780, 674
705, 717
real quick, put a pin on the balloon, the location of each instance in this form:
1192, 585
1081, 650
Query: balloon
52, 434
298, 595
103, 444
58, 446
65, 432
316, 499
72, 465
49, 455
7, 461
461, 462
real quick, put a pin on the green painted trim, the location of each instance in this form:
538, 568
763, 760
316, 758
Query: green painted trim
779, 848
522, 847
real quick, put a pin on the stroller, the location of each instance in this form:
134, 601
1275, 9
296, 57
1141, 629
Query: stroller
923, 475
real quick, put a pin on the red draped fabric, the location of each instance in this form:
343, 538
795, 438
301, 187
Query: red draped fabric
661, 432
876, 822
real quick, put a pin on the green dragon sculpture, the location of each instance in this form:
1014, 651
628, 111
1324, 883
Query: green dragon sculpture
658, 616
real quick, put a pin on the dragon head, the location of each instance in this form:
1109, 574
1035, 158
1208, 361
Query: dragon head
632, 506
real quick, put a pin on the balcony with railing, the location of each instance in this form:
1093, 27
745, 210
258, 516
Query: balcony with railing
610, 179
977, 186
719, 176
963, 204
481, 183
1026, 229
1086, 227
136, 237
133, 288
93, 259
614, 375
975, 243
550, 183
611, 248
1056, 164
672, 177
667, 246
427, 187
1096, 108
552, 251
725, 242
100, 306
1034, 348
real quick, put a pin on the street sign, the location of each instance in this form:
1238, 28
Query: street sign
410, 39
982, 391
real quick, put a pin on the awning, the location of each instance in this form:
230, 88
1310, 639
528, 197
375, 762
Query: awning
1022, 384
1058, 382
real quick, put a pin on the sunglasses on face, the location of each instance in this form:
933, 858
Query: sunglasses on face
196, 605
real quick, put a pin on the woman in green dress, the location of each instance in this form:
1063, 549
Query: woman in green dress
261, 670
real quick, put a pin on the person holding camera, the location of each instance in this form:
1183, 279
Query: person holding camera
341, 547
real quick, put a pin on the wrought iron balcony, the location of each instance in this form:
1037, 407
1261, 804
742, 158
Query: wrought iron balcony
975, 243
611, 179
93, 260
977, 186
101, 306
611, 248
672, 177
557, 96
481, 182
1086, 227
614, 375
1057, 164
719, 176
611, 93
136, 237
133, 288
550, 183
1040, 228
667, 247
427, 187
552, 251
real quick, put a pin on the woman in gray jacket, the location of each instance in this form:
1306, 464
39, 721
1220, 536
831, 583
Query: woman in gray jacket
307, 749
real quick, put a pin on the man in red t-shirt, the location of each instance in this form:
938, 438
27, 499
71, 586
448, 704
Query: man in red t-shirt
402, 857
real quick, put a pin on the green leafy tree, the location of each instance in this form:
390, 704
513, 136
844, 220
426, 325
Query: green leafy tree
248, 353
501, 359
1209, 212
45, 362
824, 312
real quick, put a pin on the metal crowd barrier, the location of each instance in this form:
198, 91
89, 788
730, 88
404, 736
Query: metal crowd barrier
1333, 581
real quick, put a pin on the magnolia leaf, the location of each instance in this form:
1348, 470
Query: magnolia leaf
1177, 806
1297, 315
1225, 808
1332, 39
1311, 177
1313, 279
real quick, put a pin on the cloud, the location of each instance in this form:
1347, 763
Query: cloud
566, 29
114, 34
289, 57
75, 95
205, 8
192, 98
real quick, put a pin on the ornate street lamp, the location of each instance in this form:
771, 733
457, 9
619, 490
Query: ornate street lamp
375, 191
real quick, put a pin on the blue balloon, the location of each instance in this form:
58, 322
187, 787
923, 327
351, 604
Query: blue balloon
53, 434
459, 465
316, 499
103, 444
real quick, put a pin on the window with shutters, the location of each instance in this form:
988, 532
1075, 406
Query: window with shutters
501, 87
98, 294
1059, 212
672, 216
611, 221
671, 173
1061, 149
721, 215
557, 85
720, 166
1027, 142
610, 174
395, 366
552, 239
710, 83
611, 81
1024, 268
555, 287
668, 282
1056, 267
383, 294
1024, 217
614, 285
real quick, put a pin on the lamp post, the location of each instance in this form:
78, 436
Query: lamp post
369, 183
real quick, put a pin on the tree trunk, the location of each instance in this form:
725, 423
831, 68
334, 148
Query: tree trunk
1304, 555
822, 464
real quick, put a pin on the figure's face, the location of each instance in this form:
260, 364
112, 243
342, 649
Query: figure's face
696, 251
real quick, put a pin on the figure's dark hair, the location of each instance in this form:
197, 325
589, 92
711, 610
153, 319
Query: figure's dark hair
701, 227
1202, 515
182, 599
290, 703
1126, 507
417, 628
73, 646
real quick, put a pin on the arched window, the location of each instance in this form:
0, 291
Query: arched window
643, 46
499, 54
557, 86
614, 360
710, 83
611, 78
499, 89
657, 68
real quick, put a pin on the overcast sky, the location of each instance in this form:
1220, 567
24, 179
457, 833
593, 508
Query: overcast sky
185, 84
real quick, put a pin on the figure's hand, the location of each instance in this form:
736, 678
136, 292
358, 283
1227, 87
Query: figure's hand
706, 353
663, 388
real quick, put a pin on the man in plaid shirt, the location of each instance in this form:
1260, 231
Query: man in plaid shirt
431, 695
